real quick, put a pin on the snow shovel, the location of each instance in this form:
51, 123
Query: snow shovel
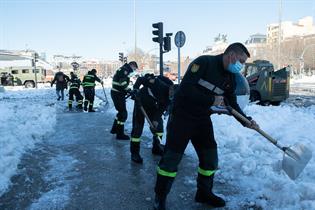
295, 158
105, 94
149, 121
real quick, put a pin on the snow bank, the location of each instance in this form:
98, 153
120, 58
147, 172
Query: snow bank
252, 165
26, 118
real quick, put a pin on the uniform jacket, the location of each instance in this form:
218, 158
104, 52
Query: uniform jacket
121, 79
75, 83
194, 99
89, 80
154, 96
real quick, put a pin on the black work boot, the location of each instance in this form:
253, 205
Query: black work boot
85, 109
135, 152
159, 203
114, 127
162, 188
91, 108
157, 148
204, 192
70, 107
79, 106
120, 135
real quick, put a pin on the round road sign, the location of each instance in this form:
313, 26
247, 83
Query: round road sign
180, 39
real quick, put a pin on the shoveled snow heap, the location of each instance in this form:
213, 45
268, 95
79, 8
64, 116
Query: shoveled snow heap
26, 118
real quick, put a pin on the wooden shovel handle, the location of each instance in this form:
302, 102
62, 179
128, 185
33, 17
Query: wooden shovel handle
245, 120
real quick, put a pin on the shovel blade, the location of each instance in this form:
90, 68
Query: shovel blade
293, 166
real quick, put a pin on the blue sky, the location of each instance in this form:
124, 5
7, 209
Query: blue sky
102, 28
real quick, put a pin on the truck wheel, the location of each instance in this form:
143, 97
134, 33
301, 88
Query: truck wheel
254, 96
29, 84
276, 103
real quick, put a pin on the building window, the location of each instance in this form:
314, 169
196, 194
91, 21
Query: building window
25, 71
37, 71
15, 71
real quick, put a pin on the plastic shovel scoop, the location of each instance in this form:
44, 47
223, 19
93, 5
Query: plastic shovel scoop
295, 158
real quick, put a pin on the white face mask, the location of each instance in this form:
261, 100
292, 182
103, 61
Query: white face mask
132, 74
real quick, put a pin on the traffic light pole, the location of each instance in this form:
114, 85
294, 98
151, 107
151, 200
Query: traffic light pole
35, 71
161, 59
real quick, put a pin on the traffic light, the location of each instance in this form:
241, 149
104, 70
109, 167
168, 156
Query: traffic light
167, 42
36, 57
121, 57
125, 60
158, 32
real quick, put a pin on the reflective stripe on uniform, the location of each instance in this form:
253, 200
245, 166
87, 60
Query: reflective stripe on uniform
210, 86
90, 76
135, 139
70, 102
88, 84
80, 102
120, 122
166, 173
159, 134
205, 172
119, 84
115, 90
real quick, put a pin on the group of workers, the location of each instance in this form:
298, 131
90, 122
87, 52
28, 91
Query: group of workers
208, 82
88, 84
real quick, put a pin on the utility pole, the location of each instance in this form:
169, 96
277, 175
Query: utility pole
135, 27
34, 60
279, 34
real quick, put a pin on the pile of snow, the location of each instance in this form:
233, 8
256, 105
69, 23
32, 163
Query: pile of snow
252, 165
249, 165
26, 118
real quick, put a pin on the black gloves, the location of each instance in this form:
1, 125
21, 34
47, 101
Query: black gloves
134, 94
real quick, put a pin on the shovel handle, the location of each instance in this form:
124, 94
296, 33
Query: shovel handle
263, 133
148, 119
104, 93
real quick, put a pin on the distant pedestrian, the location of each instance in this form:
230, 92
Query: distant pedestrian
61, 84
10, 79
4, 78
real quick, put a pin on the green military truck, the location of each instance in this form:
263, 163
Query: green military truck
24, 75
267, 86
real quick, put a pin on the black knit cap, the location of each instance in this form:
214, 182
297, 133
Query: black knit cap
237, 47
134, 63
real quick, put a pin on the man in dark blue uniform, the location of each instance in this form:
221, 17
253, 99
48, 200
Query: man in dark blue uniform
88, 84
154, 98
118, 93
209, 81
74, 90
